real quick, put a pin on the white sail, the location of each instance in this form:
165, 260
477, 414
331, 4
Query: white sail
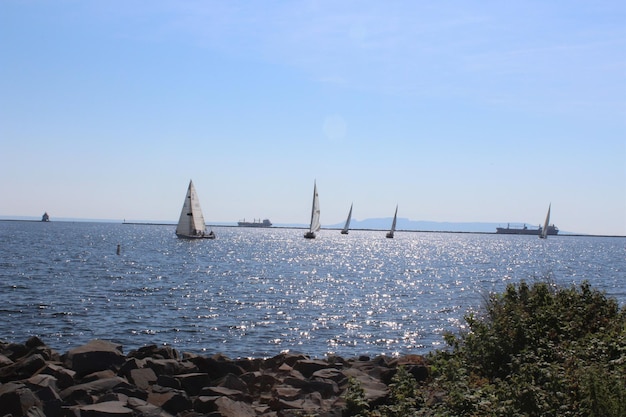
315, 212
315, 215
393, 224
191, 221
347, 225
544, 231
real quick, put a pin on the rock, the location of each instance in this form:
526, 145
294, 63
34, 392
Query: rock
34, 342
14, 351
145, 409
5, 361
229, 408
23, 368
376, 392
233, 382
130, 364
142, 378
152, 351
217, 367
282, 358
98, 375
92, 388
308, 367
287, 393
45, 388
173, 401
194, 382
98, 380
167, 381
419, 372
96, 355
327, 388
170, 366
16, 399
105, 409
330, 373
225, 392
64, 376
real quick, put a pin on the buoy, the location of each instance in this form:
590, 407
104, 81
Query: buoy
119, 248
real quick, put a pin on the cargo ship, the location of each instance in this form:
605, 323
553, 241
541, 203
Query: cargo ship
525, 230
255, 223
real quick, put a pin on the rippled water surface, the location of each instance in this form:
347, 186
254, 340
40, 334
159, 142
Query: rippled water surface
257, 292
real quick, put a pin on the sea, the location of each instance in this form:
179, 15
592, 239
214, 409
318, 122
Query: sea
256, 292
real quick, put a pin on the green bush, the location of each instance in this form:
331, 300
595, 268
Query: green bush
534, 350
538, 351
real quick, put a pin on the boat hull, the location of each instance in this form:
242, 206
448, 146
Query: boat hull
209, 235
309, 235
552, 231
264, 223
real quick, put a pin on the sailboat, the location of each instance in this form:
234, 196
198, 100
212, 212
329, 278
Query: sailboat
191, 223
344, 231
393, 225
315, 215
544, 232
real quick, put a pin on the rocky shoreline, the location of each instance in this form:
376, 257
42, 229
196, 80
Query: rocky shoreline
99, 380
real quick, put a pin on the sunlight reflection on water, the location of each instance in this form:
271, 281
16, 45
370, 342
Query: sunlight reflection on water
256, 292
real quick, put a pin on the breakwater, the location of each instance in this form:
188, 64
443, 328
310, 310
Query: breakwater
97, 379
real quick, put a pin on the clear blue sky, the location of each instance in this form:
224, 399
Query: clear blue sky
457, 111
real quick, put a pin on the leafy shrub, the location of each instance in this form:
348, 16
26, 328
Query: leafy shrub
539, 351
534, 350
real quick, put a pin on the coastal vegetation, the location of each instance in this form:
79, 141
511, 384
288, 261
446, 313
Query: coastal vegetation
533, 350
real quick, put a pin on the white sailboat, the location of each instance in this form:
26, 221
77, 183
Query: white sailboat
315, 215
393, 224
191, 222
544, 231
344, 231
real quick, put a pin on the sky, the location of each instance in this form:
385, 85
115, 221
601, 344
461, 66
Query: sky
455, 111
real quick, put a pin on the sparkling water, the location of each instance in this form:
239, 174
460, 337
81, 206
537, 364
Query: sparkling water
256, 292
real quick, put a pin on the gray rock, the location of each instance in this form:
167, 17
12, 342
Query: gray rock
22, 368
97, 387
16, 399
105, 409
142, 378
96, 355
229, 408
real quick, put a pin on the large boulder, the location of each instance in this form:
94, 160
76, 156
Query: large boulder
16, 399
96, 355
23, 368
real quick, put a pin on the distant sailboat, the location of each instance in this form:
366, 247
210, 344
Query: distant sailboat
393, 225
191, 223
544, 231
344, 231
315, 215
